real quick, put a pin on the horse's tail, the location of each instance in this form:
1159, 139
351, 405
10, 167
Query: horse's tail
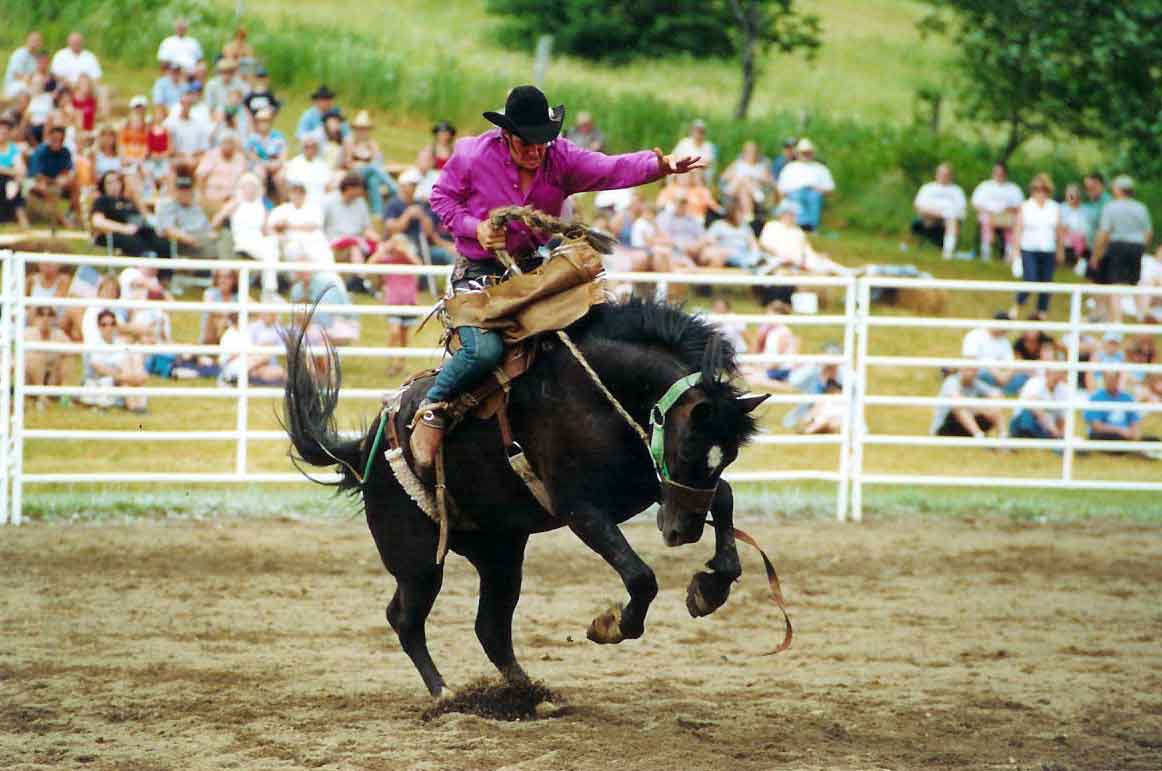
308, 412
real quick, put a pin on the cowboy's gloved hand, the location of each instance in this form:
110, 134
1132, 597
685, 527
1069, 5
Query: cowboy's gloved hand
490, 237
672, 165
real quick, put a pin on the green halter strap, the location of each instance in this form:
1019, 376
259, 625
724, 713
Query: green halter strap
658, 420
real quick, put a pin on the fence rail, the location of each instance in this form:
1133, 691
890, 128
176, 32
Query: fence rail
858, 323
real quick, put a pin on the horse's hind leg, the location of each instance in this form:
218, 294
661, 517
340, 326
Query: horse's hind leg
499, 561
408, 613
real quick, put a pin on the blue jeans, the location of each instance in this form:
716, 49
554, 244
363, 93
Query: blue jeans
810, 203
480, 352
377, 182
1037, 266
1010, 388
1025, 426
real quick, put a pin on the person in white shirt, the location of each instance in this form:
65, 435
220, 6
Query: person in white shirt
992, 344
180, 48
788, 247
189, 132
21, 66
310, 170
806, 181
996, 201
940, 208
948, 420
247, 217
695, 144
70, 63
300, 223
1047, 386
748, 178
1040, 235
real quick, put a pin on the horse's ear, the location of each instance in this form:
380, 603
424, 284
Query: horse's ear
751, 403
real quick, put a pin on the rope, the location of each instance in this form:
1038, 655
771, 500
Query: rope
374, 447
573, 349
537, 220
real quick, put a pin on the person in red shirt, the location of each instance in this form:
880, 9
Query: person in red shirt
85, 102
443, 139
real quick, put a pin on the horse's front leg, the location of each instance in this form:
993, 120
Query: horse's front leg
708, 591
601, 534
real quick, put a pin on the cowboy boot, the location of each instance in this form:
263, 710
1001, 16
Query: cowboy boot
428, 427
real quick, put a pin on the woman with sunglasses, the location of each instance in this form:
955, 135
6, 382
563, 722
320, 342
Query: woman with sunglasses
116, 217
1040, 235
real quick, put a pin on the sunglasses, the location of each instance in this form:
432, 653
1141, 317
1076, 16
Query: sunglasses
108, 323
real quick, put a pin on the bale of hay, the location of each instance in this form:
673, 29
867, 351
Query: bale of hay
923, 302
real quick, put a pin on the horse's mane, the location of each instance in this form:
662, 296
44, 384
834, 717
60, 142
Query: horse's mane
691, 338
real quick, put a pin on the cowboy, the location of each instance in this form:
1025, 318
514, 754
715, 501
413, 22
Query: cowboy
522, 162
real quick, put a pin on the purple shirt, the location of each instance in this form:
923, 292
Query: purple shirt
481, 176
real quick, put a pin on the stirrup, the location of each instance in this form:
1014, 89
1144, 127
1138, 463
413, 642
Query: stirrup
427, 427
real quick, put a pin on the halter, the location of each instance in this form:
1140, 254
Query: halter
698, 498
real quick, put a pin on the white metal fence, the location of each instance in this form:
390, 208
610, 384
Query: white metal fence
854, 327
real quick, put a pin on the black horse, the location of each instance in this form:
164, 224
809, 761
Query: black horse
596, 468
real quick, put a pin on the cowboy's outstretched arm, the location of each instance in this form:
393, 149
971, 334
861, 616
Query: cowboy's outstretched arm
585, 170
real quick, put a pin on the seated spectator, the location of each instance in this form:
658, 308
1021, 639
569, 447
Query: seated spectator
39, 107
189, 132
1047, 386
367, 161
12, 174
43, 368
106, 156
116, 217
266, 148
733, 331
786, 243
1146, 386
807, 182
247, 217
1032, 344
996, 201
64, 114
585, 133
182, 221
133, 139
1124, 232
426, 166
261, 97
699, 200
775, 339
696, 144
405, 214
180, 48
225, 88
683, 230
113, 365
825, 417
299, 224
311, 121
1073, 219
779, 162
991, 344
218, 172
653, 245
85, 104
238, 49
398, 290
1150, 305
967, 421
815, 379
22, 65
262, 369
310, 170
731, 241
347, 226
73, 61
326, 287
51, 171
443, 141
940, 208
336, 142
108, 288
234, 119
46, 282
148, 326
1111, 349
1108, 422
748, 178
168, 89
223, 289
159, 150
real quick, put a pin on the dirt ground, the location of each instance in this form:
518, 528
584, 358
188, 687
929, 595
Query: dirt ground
261, 644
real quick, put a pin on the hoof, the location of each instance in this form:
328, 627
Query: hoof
606, 628
706, 593
446, 694
547, 709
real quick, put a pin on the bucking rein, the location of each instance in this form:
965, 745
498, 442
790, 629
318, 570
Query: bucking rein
654, 441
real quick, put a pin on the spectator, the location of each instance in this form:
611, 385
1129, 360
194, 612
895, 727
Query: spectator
310, 170
311, 121
807, 182
940, 208
247, 217
133, 139
180, 48
1146, 387
1111, 349
239, 49
48, 281
787, 245
996, 201
731, 241
1111, 423
733, 331
443, 139
1047, 386
12, 174
683, 230
225, 88
1032, 344
695, 144
261, 97
976, 422
113, 365
585, 133
748, 178
426, 166
85, 104
40, 107
404, 214
398, 290
43, 368
199, 78
159, 151
64, 114
1124, 235
108, 288
814, 379
699, 200
51, 170
367, 161
218, 173
825, 417
148, 326
266, 148
779, 162
106, 156
223, 289
776, 339
991, 344
1150, 306
115, 217
262, 369
651, 244
73, 61
347, 226
168, 89
22, 65
1096, 198
298, 226
189, 132
335, 141
325, 286
1073, 220
1040, 235
182, 221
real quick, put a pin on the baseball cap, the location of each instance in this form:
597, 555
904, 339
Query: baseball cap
1112, 337
1123, 182
805, 146
790, 142
261, 72
697, 123
138, 101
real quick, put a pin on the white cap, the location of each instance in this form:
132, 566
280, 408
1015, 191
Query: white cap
410, 176
138, 101
805, 146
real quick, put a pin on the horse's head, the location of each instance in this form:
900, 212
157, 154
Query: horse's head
703, 433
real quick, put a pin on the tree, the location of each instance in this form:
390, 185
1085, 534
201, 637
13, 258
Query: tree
1087, 68
761, 25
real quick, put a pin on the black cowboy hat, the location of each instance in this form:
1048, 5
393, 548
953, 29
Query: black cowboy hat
527, 114
322, 92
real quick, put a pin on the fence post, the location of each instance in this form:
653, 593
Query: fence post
5, 380
849, 391
859, 419
17, 330
243, 418
1074, 356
